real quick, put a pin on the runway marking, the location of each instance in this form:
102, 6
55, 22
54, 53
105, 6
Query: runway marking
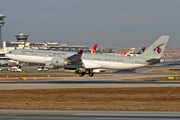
129, 115
113, 118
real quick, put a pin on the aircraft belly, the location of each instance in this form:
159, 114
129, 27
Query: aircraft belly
90, 64
111, 65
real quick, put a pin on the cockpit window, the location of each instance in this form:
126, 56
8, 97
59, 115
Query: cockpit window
9, 52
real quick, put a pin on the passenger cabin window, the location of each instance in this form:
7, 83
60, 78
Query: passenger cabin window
120, 60
107, 59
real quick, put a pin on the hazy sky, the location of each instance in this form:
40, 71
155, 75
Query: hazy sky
107, 22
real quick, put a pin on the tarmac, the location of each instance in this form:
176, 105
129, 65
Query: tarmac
87, 115
114, 80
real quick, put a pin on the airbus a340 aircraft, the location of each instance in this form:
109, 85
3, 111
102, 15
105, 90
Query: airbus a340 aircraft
86, 62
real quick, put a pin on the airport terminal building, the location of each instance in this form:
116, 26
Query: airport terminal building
23, 43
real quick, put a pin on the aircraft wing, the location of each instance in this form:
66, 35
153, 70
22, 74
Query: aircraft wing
76, 59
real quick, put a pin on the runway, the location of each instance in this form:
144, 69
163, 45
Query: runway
87, 115
112, 81
55, 84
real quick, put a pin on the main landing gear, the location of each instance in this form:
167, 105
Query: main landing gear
82, 73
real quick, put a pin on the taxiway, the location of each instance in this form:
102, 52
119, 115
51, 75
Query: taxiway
87, 115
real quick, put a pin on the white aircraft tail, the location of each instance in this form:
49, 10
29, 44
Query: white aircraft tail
131, 51
157, 48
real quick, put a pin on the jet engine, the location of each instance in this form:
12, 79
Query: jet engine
49, 65
59, 62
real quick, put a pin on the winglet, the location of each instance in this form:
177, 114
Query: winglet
80, 52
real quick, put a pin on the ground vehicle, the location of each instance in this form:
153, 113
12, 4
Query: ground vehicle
15, 69
41, 68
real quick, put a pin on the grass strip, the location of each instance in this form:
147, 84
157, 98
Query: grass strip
158, 99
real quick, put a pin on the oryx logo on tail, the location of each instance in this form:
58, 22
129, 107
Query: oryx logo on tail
158, 49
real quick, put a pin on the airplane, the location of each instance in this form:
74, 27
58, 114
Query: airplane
130, 52
123, 54
143, 49
93, 50
86, 62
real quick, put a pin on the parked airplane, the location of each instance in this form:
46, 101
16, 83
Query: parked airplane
143, 49
130, 52
123, 54
93, 50
85, 63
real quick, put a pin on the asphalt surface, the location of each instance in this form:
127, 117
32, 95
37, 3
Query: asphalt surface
115, 80
55, 84
87, 115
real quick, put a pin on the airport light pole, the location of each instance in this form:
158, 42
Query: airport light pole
68, 43
2, 17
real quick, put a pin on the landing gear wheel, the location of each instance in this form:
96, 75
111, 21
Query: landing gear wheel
76, 72
82, 73
91, 74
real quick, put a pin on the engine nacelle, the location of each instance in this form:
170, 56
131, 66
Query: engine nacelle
49, 65
59, 62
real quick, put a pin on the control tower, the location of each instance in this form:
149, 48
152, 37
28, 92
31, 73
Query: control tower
21, 37
1, 24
